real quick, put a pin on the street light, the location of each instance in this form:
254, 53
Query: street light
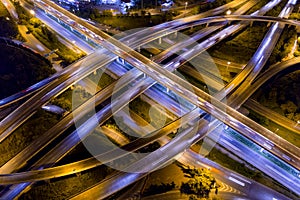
298, 122
32, 12
186, 3
228, 12
228, 63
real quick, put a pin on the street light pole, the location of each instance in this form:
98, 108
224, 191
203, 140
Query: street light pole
298, 122
228, 63
186, 3
228, 12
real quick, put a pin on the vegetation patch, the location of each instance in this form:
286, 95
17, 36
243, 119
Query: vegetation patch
282, 96
200, 182
45, 36
8, 27
277, 9
72, 98
129, 22
77, 95
228, 162
294, 16
101, 80
65, 187
288, 135
158, 189
20, 68
240, 48
124, 21
38, 124
142, 108
3, 10
284, 45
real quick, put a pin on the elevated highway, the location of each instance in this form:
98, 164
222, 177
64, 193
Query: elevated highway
183, 92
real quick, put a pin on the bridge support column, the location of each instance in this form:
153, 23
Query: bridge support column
95, 72
139, 49
175, 34
168, 90
159, 40
207, 25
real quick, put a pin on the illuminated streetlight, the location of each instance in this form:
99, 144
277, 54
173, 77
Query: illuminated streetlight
228, 12
7, 18
298, 122
32, 12
186, 3
228, 63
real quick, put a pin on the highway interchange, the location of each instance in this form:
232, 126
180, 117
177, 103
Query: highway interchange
189, 92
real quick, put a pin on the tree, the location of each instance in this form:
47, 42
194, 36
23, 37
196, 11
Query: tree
143, 13
35, 22
288, 107
200, 182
